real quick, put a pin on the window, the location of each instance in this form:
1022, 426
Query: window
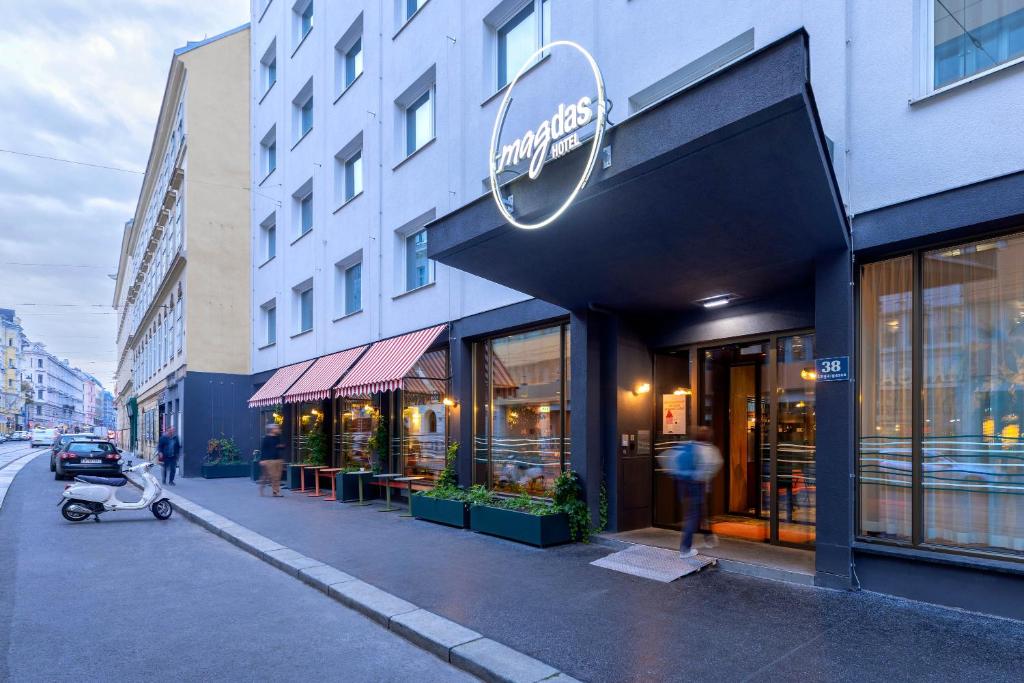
268, 237
302, 111
423, 438
943, 473
419, 122
521, 389
268, 152
353, 175
269, 311
179, 326
973, 36
417, 266
303, 306
353, 289
303, 11
268, 66
520, 36
39, 379
40, 394
354, 62
411, 7
306, 214
39, 410
39, 363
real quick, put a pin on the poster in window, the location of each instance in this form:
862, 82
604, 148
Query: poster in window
673, 414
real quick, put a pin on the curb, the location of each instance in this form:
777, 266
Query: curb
463, 648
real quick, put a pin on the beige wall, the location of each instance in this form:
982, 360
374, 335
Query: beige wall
217, 242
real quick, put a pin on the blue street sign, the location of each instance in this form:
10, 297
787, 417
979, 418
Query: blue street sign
833, 369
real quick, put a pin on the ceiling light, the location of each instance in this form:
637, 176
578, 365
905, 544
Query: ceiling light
717, 301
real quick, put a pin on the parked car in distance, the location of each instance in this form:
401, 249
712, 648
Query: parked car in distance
20, 436
62, 441
88, 457
42, 436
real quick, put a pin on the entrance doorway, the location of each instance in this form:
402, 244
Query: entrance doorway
758, 398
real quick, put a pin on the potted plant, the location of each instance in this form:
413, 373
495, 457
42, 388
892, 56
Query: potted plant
378, 445
446, 503
223, 460
530, 520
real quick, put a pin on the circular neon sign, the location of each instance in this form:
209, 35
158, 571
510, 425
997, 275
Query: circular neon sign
551, 139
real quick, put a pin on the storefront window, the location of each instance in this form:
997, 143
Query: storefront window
521, 410
359, 418
308, 418
885, 409
795, 463
961, 466
424, 429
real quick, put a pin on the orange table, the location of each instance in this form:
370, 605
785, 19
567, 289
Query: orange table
316, 479
302, 480
331, 472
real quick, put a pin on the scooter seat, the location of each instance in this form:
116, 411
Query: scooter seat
103, 481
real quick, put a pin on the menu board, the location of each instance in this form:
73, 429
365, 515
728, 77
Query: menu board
673, 413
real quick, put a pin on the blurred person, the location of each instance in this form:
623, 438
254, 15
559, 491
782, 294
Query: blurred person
168, 449
271, 462
697, 463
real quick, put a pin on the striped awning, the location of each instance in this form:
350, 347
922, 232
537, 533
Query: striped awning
384, 366
282, 380
428, 375
316, 384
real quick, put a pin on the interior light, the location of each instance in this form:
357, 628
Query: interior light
643, 388
681, 391
808, 374
716, 301
450, 402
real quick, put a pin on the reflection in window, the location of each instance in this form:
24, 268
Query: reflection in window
971, 36
885, 424
795, 464
358, 418
423, 415
308, 418
973, 373
521, 427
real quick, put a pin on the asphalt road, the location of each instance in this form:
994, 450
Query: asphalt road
134, 598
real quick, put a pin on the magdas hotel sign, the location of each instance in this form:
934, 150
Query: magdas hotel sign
554, 136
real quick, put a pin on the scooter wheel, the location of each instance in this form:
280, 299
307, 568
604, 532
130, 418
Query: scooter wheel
72, 515
162, 509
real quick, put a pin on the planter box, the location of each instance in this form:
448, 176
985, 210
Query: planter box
348, 486
225, 471
451, 512
294, 477
537, 530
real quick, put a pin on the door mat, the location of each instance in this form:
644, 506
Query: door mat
657, 564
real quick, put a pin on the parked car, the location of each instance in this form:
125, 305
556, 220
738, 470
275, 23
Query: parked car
88, 457
3, 438
62, 441
42, 436
20, 436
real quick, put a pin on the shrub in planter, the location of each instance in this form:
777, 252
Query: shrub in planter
446, 503
348, 484
523, 519
223, 460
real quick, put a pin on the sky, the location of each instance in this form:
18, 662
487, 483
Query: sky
81, 81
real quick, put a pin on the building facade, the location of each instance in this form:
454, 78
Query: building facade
183, 279
57, 390
778, 225
12, 393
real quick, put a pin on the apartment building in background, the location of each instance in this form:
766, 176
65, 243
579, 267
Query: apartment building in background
777, 186
57, 390
12, 394
183, 281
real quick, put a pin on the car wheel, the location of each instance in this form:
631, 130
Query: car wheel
162, 509
53, 466
72, 515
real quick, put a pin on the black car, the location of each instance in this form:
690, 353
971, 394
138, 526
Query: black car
88, 457
61, 442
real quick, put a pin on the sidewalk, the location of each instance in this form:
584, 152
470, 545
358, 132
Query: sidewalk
597, 624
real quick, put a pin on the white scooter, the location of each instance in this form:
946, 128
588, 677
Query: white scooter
92, 495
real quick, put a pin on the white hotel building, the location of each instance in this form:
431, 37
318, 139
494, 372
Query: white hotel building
759, 155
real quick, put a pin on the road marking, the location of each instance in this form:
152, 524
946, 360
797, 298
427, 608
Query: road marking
10, 469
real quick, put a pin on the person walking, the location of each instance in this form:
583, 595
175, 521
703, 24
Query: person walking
271, 462
697, 463
169, 448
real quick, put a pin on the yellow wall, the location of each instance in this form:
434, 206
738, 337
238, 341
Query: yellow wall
217, 233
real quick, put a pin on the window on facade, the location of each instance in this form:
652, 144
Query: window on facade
306, 115
417, 266
40, 394
358, 417
412, 7
419, 122
304, 18
270, 323
959, 463
353, 288
354, 62
268, 66
39, 410
39, 379
268, 152
306, 213
423, 415
353, 175
972, 36
179, 327
269, 227
521, 388
304, 308
520, 36
39, 363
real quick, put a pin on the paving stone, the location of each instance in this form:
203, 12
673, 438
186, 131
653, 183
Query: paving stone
289, 561
372, 601
324, 576
432, 632
492, 661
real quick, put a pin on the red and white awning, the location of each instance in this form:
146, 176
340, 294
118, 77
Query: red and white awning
275, 388
384, 366
316, 384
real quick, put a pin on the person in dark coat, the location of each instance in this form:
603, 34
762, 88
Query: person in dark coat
271, 461
169, 448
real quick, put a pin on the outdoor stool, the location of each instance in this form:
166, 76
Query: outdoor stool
316, 479
330, 471
409, 481
387, 490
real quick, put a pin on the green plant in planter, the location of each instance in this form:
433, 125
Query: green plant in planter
222, 451
378, 445
569, 499
447, 486
316, 447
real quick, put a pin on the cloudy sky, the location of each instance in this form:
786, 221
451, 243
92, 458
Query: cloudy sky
81, 81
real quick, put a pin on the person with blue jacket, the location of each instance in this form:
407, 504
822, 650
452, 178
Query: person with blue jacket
696, 464
168, 449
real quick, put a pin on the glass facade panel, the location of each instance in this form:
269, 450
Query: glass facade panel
520, 416
796, 429
358, 418
308, 418
972, 455
884, 450
423, 437
417, 266
353, 289
971, 36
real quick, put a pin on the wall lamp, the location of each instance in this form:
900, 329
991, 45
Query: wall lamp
809, 375
450, 402
643, 388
